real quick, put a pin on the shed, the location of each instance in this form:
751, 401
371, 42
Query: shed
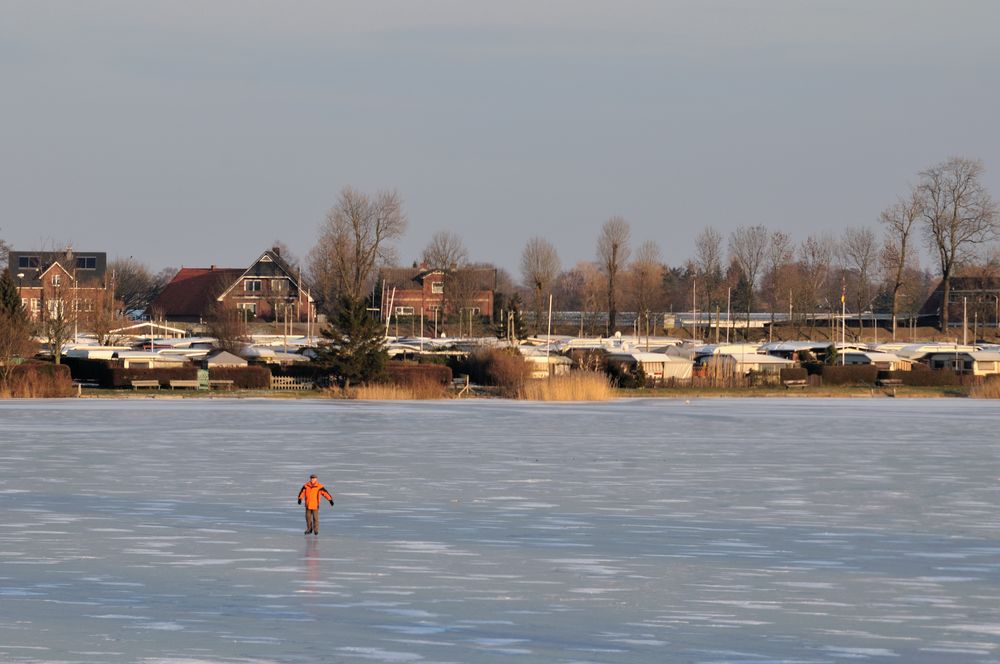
220, 358
976, 363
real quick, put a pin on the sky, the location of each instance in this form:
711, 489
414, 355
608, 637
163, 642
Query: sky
197, 133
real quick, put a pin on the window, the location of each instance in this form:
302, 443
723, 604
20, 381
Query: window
25, 303
437, 287
55, 308
473, 311
277, 285
248, 306
251, 285
56, 279
404, 311
27, 262
35, 306
86, 262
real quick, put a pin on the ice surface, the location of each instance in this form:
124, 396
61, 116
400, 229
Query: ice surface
778, 531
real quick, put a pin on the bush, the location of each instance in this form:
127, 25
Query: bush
850, 374
505, 369
121, 377
408, 374
624, 377
794, 373
923, 377
244, 378
36, 380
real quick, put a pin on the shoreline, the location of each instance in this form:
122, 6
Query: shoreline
851, 392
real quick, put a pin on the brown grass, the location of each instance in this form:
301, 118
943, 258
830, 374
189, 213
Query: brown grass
30, 381
417, 390
576, 386
988, 389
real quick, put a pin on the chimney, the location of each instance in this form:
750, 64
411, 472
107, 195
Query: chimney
276, 250
211, 269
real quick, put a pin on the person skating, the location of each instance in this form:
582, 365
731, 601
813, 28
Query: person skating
312, 491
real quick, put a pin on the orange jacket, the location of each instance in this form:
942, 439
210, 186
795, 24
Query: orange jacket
312, 492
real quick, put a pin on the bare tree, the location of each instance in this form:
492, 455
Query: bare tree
748, 249
227, 325
445, 251
777, 278
4, 254
815, 258
353, 241
135, 286
958, 214
708, 259
612, 254
646, 277
899, 221
539, 267
858, 249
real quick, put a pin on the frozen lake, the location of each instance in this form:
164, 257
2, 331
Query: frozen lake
748, 531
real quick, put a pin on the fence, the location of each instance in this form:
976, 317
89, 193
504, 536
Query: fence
290, 383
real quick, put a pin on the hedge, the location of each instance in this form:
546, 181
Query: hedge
84, 370
409, 374
120, 377
850, 374
244, 378
794, 373
37, 380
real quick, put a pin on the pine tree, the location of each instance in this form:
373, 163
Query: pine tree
354, 350
15, 328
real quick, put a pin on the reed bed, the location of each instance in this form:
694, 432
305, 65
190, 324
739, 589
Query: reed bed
575, 386
988, 389
415, 391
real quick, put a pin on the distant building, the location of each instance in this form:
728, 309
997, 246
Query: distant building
270, 289
65, 280
980, 295
412, 291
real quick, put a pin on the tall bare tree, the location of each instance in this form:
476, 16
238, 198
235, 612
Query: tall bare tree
612, 255
815, 260
708, 259
445, 251
748, 249
958, 214
539, 267
777, 278
646, 277
899, 221
858, 250
354, 240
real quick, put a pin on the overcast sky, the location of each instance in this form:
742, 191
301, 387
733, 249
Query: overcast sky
196, 133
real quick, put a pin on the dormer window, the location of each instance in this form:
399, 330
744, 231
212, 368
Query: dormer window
86, 262
437, 287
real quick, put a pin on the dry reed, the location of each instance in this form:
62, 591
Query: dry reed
417, 390
988, 389
576, 386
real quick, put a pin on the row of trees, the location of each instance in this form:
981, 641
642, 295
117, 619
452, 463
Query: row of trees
757, 268
874, 268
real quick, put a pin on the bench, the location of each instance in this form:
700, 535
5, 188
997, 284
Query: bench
136, 384
220, 384
891, 382
800, 383
192, 384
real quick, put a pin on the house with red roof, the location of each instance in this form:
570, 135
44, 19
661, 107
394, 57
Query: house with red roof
270, 289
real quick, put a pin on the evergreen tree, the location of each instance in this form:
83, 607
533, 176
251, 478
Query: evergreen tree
354, 350
15, 328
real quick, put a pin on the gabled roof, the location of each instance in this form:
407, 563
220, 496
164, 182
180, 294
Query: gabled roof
192, 290
274, 258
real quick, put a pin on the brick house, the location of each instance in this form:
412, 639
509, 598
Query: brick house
429, 290
270, 289
61, 282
